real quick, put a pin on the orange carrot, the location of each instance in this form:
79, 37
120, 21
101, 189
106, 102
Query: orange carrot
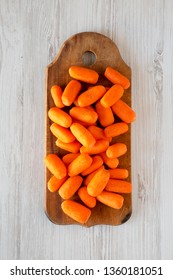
123, 111
87, 199
118, 173
59, 117
90, 107
98, 133
79, 164
82, 135
62, 133
76, 102
84, 114
116, 78
77, 105
110, 199
98, 182
116, 150
110, 162
91, 96
105, 115
68, 158
91, 175
83, 74
54, 183
107, 88
118, 186
112, 96
55, 166
115, 129
99, 147
96, 163
72, 147
70, 92
56, 92
70, 186
76, 211
85, 124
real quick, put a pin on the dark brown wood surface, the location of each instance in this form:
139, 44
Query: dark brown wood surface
71, 53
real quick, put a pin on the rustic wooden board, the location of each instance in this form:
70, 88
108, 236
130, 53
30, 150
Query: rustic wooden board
71, 53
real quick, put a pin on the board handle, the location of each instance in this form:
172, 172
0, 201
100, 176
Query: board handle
100, 47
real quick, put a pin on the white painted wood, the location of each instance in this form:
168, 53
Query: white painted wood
31, 33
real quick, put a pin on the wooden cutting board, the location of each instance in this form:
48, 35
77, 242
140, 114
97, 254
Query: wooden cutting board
72, 53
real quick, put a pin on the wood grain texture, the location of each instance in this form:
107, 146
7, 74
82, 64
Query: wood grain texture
71, 53
31, 33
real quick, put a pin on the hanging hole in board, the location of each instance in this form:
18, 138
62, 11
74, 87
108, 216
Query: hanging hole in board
88, 58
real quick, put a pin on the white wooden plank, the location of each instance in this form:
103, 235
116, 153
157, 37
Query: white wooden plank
166, 177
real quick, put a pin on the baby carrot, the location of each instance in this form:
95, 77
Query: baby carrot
105, 115
107, 88
90, 96
76, 102
79, 164
76, 211
82, 135
99, 147
62, 133
112, 96
90, 108
85, 124
59, 117
55, 166
56, 92
118, 186
98, 133
91, 175
116, 78
70, 92
68, 158
87, 199
70, 186
110, 162
123, 111
98, 182
110, 199
96, 163
54, 183
116, 150
118, 173
72, 147
84, 114
115, 129
83, 74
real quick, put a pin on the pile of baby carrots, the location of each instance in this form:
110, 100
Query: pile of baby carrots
84, 124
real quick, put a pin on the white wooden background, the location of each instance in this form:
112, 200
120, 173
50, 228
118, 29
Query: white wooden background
31, 33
